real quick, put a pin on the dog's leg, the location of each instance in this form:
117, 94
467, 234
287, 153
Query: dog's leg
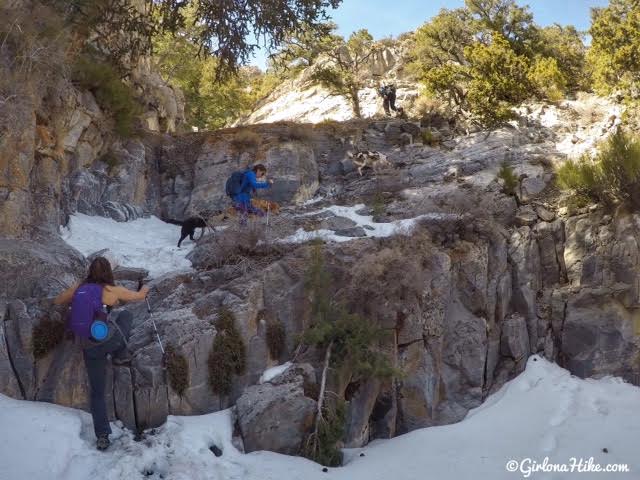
182, 237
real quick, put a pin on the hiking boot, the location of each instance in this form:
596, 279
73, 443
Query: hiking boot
103, 442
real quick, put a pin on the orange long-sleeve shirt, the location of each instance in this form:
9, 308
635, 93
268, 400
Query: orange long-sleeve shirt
111, 295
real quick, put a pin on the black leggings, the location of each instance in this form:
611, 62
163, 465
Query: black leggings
95, 360
389, 102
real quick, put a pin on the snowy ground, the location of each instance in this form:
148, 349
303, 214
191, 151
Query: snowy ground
148, 243
545, 412
371, 228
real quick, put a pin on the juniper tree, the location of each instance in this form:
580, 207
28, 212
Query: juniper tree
344, 338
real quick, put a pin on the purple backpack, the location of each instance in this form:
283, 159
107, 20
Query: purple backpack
86, 306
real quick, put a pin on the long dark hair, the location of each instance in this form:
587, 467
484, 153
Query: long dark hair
100, 272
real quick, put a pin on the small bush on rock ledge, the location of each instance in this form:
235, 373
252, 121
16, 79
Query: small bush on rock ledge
611, 176
276, 338
110, 91
178, 370
46, 336
228, 355
245, 139
509, 179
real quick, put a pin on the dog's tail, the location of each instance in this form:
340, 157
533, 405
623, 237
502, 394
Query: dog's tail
174, 222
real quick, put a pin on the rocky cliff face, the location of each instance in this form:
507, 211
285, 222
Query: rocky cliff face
492, 278
61, 154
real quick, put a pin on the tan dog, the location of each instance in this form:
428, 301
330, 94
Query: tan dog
366, 158
267, 205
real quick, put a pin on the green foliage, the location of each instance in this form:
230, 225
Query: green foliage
229, 31
331, 430
429, 139
565, 45
276, 338
580, 177
228, 355
352, 337
118, 28
113, 95
210, 103
614, 55
490, 56
46, 335
447, 82
498, 80
509, 179
547, 79
441, 41
177, 369
302, 48
344, 74
226, 31
378, 206
507, 19
611, 176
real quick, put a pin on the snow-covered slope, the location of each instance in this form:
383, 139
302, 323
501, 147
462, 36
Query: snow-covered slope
146, 243
545, 412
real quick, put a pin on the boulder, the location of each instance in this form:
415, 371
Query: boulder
598, 337
515, 338
131, 274
545, 214
525, 216
337, 223
275, 417
530, 187
38, 269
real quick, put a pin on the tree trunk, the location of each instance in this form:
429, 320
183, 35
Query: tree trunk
323, 384
355, 102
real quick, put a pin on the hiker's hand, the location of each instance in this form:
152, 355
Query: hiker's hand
270, 181
145, 291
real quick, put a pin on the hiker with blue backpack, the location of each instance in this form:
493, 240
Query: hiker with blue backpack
242, 184
99, 334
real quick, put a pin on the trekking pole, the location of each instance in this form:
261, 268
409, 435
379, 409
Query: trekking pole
154, 325
146, 299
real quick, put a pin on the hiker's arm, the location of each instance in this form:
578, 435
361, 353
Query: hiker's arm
126, 295
65, 297
251, 179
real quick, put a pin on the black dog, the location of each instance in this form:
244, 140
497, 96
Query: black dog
189, 227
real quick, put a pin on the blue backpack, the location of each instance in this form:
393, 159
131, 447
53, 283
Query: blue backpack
234, 183
86, 307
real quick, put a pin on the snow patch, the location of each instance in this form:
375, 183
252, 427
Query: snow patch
371, 228
146, 243
544, 412
271, 373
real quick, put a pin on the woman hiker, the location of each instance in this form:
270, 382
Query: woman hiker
99, 334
